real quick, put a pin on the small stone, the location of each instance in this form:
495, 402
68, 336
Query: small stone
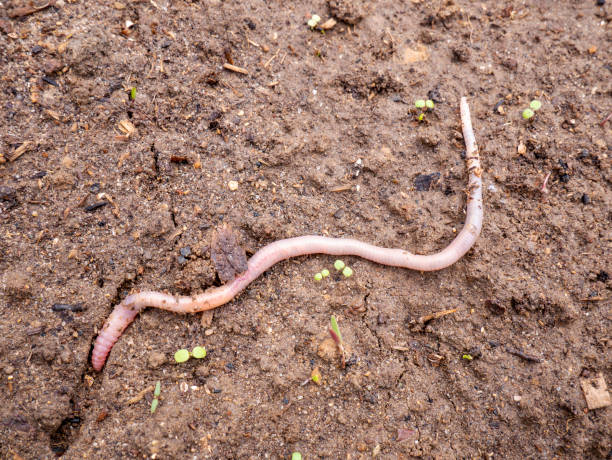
585, 199
521, 149
517, 398
8, 369
156, 359
182, 260
186, 251
232, 185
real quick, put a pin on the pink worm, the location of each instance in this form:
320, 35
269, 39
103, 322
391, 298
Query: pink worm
126, 311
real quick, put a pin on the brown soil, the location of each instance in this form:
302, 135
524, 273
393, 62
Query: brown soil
89, 214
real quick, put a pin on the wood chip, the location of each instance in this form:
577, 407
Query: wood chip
235, 68
140, 395
595, 392
330, 23
27, 10
20, 150
207, 318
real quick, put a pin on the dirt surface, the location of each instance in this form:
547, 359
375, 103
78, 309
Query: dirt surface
106, 195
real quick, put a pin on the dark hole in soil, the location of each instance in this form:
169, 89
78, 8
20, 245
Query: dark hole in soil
65, 435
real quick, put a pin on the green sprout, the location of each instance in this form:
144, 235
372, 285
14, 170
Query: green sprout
420, 117
339, 265
318, 276
154, 405
198, 352
535, 105
528, 113
296, 456
313, 21
347, 272
181, 356
429, 104
133, 93
325, 273
467, 357
420, 104
156, 394
335, 328
334, 331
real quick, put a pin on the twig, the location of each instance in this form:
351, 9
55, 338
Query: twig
440, 314
140, 395
521, 354
235, 68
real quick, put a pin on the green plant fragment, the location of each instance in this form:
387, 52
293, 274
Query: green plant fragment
535, 105
181, 356
198, 352
335, 328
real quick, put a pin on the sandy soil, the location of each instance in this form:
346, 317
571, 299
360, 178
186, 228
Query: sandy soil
102, 195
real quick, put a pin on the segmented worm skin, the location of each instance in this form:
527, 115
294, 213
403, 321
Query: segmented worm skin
126, 311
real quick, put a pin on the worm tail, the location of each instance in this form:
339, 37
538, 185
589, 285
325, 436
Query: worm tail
120, 318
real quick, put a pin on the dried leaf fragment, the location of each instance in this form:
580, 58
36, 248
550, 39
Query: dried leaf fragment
227, 255
126, 127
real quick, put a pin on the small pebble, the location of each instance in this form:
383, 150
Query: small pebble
233, 185
182, 260
517, 398
186, 251
585, 199
9, 369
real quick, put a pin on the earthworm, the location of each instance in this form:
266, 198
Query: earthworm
125, 312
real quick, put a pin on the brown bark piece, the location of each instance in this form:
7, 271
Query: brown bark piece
595, 392
227, 255
27, 10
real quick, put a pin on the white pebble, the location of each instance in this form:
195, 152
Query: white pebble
233, 185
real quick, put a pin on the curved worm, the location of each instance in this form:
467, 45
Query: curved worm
126, 311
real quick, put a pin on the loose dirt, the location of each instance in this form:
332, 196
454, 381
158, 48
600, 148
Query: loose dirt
106, 190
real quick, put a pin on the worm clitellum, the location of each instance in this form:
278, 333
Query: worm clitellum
126, 311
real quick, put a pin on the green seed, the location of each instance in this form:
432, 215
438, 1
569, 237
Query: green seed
429, 104
325, 273
535, 105
154, 405
419, 103
318, 277
527, 114
339, 265
296, 456
181, 356
198, 352
421, 117
157, 391
347, 271
468, 357
133, 93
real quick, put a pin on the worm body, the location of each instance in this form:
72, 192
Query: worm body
266, 257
